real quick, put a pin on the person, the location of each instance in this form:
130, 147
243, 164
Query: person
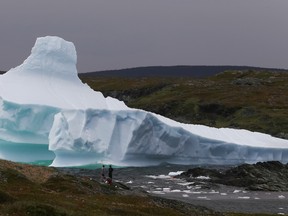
110, 170
103, 173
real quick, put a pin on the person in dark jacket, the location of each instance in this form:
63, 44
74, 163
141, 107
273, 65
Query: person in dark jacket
110, 170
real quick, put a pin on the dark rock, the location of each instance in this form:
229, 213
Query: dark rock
184, 207
196, 172
267, 176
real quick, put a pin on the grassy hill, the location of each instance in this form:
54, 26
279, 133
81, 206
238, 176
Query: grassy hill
256, 100
43, 191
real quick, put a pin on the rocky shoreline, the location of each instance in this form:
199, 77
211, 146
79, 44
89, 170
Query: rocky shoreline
245, 189
262, 176
206, 190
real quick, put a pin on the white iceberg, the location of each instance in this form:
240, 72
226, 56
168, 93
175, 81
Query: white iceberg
44, 103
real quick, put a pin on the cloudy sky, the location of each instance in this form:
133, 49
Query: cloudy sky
115, 34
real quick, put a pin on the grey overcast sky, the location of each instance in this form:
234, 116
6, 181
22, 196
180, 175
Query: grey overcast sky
116, 34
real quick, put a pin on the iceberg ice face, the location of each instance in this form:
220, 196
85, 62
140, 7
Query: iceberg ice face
45, 106
97, 134
25, 123
136, 137
24, 131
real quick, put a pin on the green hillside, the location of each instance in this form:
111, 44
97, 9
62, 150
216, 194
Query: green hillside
27, 190
253, 100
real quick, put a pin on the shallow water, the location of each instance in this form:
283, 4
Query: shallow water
26, 152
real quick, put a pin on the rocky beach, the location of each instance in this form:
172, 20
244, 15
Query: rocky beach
220, 188
258, 189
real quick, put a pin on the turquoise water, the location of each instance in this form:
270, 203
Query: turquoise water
25, 152
41, 162
48, 162
89, 166
35, 154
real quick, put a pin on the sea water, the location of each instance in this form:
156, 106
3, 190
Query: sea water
26, 152
35, 154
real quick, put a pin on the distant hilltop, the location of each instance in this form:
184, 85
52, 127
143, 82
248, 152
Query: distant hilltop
173, 71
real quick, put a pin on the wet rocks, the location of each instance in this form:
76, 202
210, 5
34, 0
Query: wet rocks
267, 176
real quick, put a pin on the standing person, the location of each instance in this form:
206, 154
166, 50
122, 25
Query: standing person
103, 173
110, 170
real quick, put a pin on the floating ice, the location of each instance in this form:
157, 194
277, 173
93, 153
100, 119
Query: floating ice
245, 197
176, 191
175, 173
166, 189
159, 176
203, 177
43, 102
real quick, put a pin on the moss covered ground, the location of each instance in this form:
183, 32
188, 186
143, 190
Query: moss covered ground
43, 191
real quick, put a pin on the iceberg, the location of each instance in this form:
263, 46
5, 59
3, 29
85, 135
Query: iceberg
44, 106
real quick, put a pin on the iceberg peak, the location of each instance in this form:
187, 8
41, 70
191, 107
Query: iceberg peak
51, 56
49, 77
54, 46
